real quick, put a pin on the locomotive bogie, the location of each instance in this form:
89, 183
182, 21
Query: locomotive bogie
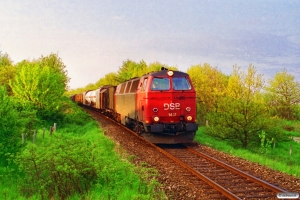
169, 139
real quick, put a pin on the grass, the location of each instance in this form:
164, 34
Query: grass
118, 178
277, 158
292, 128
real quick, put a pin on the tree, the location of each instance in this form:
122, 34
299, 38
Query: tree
5, 60
156, 66
7, 71
127, 71
9, 132
241, 114
108, 79
283, 95
131, 69
210, 85
40, 87
57, 66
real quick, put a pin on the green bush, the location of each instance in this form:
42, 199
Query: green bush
9, 131
59, 167
73, 163
76, 162
74, 115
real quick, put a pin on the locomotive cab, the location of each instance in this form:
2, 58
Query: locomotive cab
166, 106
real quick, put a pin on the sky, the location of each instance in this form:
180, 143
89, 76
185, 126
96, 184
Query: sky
94, 38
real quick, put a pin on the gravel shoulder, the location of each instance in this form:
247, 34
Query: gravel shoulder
175, 181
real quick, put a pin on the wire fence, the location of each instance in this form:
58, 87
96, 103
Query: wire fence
26, 136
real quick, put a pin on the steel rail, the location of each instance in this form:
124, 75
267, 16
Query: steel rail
204, 178
213, 184
265, 184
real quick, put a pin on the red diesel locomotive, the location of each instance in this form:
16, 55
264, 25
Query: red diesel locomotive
159, 106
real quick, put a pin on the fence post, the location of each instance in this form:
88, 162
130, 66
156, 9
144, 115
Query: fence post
34, 136
50, 130
291, 149
54, 127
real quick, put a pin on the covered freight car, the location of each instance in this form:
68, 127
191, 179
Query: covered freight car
78, 98
107, 93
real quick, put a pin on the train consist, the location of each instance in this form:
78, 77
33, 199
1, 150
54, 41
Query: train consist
159, 106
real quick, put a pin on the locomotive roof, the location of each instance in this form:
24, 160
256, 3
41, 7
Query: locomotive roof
160, 73
106, 86
164, 73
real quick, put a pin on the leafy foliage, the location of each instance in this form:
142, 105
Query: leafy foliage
56, 65
60, 167
131, 69
7, 71
5, 60
210, 85
66, 164
109, 79
39, 86
69, 164
156, 66
283, 95
9, 131
241, 114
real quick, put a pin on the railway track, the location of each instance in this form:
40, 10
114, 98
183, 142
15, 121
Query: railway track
229, 181
219, 179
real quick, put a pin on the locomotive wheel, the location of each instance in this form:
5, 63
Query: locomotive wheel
137, 129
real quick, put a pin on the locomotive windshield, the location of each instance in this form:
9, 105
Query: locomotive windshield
181, 83
160, 84
178, 83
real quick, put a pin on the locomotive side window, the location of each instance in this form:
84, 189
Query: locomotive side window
134, 86
160, 84
128, 86
144, 84
118, 89
181, 83
122, 88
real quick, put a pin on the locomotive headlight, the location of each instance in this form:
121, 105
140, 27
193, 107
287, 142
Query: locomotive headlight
189, 118
156, 118
170, 73
188, 109
155, 110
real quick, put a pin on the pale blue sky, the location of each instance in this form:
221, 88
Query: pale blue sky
93, 38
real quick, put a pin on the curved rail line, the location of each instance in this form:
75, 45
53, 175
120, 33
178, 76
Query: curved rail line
221, 176
197, 163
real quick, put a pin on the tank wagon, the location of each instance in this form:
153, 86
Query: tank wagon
101, 99
159, 106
